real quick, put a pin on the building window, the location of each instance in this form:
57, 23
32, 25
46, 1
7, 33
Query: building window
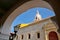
29, 36
38, 35
21, 36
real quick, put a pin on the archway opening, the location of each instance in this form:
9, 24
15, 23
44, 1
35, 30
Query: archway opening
29, 16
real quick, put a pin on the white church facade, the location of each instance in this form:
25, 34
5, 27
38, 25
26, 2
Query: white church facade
40, 29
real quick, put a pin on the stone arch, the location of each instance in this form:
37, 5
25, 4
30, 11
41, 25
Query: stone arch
53, 35
31, 4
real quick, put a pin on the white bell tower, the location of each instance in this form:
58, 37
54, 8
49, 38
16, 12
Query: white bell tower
38, 16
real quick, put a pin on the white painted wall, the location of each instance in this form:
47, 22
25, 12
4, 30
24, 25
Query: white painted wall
33, 29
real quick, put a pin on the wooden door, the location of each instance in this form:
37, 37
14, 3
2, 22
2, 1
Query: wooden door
53, 36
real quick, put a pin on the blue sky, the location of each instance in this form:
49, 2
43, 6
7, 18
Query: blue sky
29, 15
